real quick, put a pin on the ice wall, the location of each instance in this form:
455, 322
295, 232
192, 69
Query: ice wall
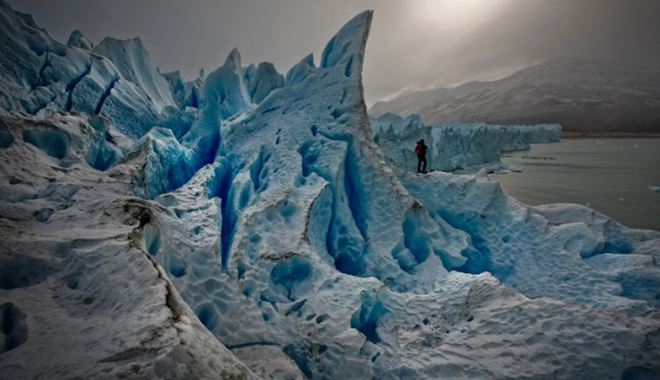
456, 146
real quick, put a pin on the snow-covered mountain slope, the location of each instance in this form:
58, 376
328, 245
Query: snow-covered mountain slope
455, 146
288, 236
579, 95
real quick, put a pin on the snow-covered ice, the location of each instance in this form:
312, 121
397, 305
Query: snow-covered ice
271, 238
261, 80
115, 79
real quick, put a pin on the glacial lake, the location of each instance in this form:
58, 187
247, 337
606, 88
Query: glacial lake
611, 176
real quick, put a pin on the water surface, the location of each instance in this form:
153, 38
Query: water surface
609, 175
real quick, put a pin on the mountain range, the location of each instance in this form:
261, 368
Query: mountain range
582, 95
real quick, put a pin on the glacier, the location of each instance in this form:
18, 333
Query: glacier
247, 225
456, 147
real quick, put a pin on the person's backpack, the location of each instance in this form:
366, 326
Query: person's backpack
418, 149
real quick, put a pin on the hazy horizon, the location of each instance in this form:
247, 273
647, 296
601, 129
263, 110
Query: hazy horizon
412, 46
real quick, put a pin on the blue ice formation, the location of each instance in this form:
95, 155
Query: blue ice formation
262, 80
186, 94
115, 79
300, 71
133, 62
79, 40
261, 231
455, 146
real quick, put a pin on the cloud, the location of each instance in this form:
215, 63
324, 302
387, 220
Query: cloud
414, 44
516, 35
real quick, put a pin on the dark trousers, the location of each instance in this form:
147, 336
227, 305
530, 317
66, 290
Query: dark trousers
421, 164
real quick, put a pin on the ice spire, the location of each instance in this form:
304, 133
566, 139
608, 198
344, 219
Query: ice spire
77, 39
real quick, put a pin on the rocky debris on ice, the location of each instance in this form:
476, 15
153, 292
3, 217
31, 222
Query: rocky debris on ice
81, 295
275, 240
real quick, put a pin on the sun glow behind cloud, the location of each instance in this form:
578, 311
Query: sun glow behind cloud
455, 14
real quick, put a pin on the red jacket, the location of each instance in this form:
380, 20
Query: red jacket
420, 150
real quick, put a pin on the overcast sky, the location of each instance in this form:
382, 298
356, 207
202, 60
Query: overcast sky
414, 44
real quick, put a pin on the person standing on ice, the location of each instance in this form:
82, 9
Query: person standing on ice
420, 151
